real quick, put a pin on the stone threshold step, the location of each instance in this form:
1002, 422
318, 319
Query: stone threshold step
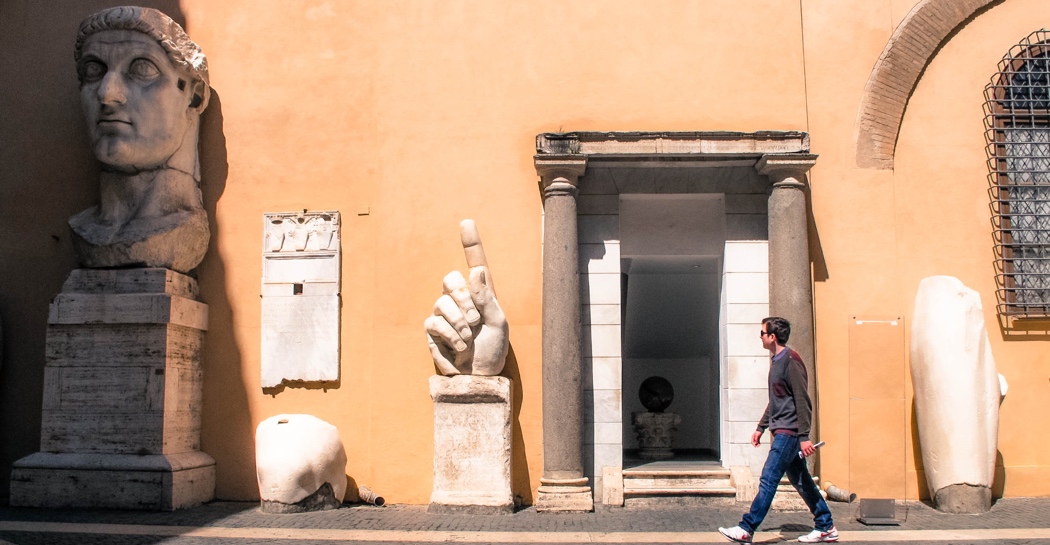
639, 484
681, 491
665, 473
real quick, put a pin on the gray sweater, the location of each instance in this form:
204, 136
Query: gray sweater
790, 409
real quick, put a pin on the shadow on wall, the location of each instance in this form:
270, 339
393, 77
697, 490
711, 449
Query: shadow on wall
520, 485
816, 250
47, 173
230, 439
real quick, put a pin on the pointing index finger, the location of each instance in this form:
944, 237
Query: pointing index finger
472, 248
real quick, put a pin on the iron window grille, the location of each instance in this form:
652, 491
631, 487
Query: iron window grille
1017, 130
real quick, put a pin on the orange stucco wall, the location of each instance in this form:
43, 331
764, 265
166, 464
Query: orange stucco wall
407, 116
881, 232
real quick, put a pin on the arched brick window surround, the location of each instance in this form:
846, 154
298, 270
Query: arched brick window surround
913, 45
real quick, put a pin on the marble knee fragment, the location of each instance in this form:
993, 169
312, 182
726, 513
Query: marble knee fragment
301, 464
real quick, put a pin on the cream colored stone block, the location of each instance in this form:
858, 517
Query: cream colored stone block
608, 433
70, 480
607, 406
748, 371
600, 289
606, 373
612, 486
745, 483
600, 258
100, 345
145, 280
598, 229
600, 314
740, 432
750, 456
135, 308
607, 455
743, 340
600, 341
746, 287
746, 257
472, 444
747, 404
746, 313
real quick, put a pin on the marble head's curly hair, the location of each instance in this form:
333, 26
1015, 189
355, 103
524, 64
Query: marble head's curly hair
182, 51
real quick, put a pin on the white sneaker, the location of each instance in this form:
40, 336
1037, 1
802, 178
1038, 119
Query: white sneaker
816, 536
737, 534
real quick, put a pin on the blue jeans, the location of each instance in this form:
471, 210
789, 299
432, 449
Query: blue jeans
783, 458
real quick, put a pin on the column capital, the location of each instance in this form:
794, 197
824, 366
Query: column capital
786, 170
560, 168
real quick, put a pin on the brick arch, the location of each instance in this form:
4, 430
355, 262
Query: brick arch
913, 45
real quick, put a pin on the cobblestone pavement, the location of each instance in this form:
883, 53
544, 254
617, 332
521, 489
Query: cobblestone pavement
1012, 520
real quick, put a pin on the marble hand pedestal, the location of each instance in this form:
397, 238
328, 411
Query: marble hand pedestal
472, 445
122, 396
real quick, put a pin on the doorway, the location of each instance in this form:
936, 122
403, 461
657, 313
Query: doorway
671, 253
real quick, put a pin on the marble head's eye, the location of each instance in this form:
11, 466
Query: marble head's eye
92, 71
143, 69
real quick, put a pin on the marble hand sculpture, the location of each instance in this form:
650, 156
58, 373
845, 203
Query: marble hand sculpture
468, 333
143, 86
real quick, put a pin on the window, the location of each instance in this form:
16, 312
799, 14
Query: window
1017, 123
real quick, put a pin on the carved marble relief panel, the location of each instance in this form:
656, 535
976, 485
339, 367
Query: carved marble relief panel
300, 298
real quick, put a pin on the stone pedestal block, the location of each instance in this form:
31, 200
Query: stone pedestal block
472, 445
122, 396
656, 433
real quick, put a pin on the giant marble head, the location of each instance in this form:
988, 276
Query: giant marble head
143, 85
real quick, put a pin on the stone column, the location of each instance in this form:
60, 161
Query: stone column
563, 486
790, 281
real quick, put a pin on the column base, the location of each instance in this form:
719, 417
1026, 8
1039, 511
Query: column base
162, 482
564, 495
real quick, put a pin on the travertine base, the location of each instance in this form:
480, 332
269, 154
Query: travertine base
559, 495
122, 396
612, 486
472, 445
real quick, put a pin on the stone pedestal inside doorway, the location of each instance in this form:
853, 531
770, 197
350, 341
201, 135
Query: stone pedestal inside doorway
656, 434
472, 445
122, 396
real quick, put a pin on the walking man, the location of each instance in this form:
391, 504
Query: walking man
788, 417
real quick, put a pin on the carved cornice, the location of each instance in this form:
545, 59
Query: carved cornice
671, 144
